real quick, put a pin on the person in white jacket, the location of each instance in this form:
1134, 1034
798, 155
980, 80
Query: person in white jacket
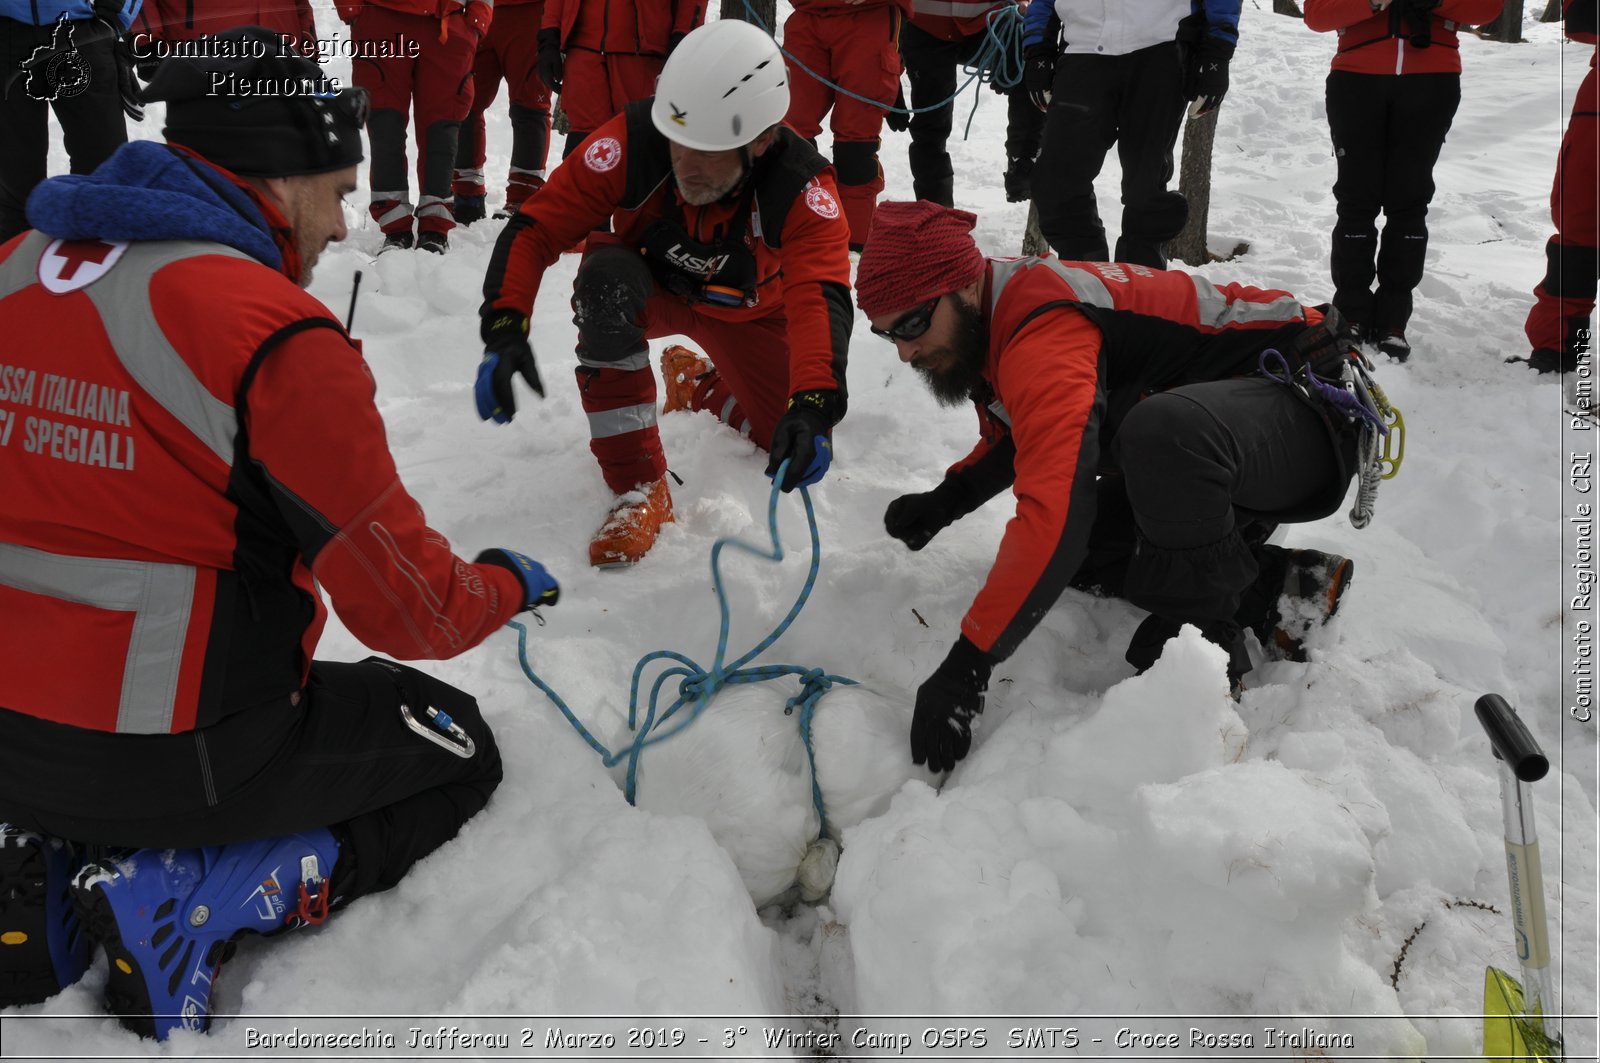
1119, 74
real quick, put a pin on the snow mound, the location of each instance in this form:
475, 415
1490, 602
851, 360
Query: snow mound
742, 767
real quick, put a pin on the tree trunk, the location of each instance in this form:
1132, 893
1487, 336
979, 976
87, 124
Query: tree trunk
1508, 27
766, 10
1552, 12
1194, 181
1033, 241
1287, 7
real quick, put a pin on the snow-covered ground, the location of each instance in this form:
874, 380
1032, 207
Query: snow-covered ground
1324, 854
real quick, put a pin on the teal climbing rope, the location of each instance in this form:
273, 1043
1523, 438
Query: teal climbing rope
998, 61
697, 686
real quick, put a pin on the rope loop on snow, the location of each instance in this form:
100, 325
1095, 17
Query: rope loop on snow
697, 686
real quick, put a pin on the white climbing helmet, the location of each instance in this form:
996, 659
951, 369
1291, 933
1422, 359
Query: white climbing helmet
723, 86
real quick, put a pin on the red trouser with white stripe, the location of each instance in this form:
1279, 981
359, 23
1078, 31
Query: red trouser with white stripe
860, 52
617, 308
1565, 297
440, 79
509, 51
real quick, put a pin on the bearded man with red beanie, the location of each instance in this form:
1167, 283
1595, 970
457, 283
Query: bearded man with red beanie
844, 55
176, 767
1124, 408
418, 51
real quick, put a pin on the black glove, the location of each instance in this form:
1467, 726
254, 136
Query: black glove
110, 11
916, 519
803, 437
538, 586
673, 40
506, 353
941, 727
549, 61
1206, 78
1039, 73
896, 117
127, 86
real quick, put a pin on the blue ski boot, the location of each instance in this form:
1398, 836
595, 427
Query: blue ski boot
42, 946
167, 918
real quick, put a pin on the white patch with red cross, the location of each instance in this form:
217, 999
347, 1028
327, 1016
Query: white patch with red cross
821, 201
603, 154
68, 265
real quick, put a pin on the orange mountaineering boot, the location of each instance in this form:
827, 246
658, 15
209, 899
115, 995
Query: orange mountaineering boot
631, 528
681, 369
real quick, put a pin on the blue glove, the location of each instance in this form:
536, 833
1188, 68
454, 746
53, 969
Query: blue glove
802, 437
538, 586
506, 354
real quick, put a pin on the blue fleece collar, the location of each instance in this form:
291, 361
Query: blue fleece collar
148, 191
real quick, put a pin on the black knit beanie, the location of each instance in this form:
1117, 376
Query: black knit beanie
246, 102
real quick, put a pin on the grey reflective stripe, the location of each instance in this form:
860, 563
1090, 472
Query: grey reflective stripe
607, 423
22, 268
122, 296
998, 408
952, 8
628, 364
1216, 312
160, 598
1086, 287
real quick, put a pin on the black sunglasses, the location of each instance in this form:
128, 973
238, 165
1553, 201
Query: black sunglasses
913, 325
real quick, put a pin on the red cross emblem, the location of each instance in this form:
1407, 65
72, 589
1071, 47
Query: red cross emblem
68, 265
603, 154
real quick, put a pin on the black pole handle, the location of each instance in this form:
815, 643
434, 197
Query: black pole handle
355, 289
1510, 737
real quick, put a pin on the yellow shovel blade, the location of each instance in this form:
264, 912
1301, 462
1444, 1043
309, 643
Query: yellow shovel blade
1507, 1033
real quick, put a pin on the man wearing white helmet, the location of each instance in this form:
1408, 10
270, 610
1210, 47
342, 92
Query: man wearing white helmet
727, 228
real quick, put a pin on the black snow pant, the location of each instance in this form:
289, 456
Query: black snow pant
1136, 102
1206, 474
338, 755
86, 101
1387, 133
931, 63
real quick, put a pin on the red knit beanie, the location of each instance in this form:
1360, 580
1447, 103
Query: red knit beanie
914, 253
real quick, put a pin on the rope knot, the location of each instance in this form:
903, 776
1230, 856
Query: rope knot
813, 684
698, 687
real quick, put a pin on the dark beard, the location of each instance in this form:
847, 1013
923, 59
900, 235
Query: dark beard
969, 347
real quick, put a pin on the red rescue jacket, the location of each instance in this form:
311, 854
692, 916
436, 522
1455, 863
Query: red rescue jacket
187, 20
845, 7
628, 27
620, 173
955, 20
171, 508
1072, 346
1379, 42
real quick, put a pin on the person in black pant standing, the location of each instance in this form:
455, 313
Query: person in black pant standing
932, 45
1120, 73
61, 56
1392, 94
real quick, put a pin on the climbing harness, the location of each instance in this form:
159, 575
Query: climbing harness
698, 686
1351, 394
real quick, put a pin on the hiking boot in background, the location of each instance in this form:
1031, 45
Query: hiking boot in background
631, 528
1313, 584
42, 945
681, 370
